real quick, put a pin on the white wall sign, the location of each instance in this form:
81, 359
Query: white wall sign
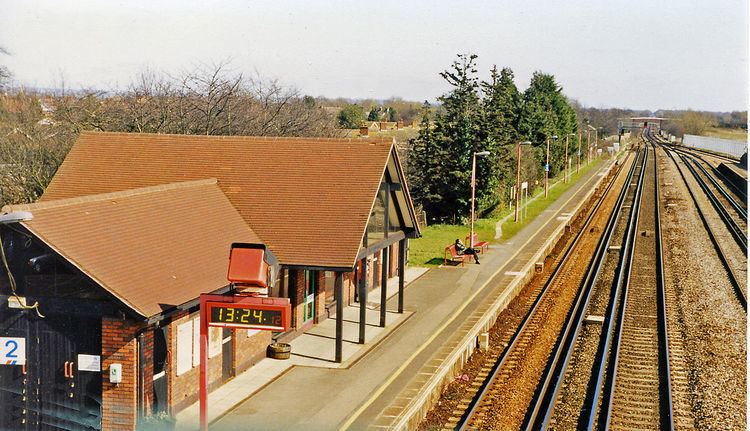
184, 347
12, 351
89, 363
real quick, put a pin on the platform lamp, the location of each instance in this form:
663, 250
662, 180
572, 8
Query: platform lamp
588, 142
567, 170
518, 178
473, 189
546, 169
578, 164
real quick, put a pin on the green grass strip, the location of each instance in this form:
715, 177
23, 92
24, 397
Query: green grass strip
428, 250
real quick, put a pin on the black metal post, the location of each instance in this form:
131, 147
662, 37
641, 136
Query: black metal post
339, 296
401, 265
363, 302
383, 285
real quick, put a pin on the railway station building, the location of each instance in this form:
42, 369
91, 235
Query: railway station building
134, 227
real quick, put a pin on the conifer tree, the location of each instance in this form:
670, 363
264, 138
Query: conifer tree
457, 134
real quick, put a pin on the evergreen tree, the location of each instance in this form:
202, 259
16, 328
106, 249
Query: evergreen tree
500, 110
546, 113
424, 163
374, 114
457, 130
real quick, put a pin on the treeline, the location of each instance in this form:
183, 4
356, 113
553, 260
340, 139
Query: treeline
352, 114
678, 123
37, 130
492, 116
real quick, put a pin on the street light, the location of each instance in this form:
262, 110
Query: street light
578, 164
518, 177
546, 169
473, 189
567, 140
588, 142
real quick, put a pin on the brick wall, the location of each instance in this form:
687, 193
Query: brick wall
148, 371
183, 389
320, 297
297, 297
119, 401
249, 350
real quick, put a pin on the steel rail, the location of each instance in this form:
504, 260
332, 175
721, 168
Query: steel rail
737, 233
497, 366
608, 399
667, 404
733, 279
741, 211
545, 398
622, 272
696, 153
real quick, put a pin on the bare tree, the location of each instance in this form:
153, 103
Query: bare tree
5, 74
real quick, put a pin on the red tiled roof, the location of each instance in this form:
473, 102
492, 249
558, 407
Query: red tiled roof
309, 199
152, 248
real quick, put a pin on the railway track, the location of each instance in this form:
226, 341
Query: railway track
627, 381
732, 213
640, 394
525, 341
733, 269
629, 386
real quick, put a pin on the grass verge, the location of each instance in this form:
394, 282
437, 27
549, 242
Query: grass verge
428, 250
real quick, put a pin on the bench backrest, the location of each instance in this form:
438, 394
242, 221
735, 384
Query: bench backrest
452, 249
476, 239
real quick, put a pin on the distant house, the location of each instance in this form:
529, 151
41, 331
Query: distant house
134, 227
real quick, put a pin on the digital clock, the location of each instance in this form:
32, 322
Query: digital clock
236, 316
272, 314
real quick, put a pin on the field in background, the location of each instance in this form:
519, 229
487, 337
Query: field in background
725, 133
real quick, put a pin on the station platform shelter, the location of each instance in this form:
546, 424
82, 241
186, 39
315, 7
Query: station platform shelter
134, 227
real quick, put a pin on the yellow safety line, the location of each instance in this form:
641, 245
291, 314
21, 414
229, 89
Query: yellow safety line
437, 332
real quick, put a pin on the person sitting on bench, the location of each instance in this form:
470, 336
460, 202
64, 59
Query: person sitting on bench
461, 249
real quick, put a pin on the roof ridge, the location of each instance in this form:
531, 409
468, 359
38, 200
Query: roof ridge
107, 196
385, 139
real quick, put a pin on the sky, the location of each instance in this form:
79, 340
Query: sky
638, 54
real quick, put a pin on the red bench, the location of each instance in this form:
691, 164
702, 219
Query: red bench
455, 257
482, 245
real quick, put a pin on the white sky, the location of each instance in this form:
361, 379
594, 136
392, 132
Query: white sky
636, 53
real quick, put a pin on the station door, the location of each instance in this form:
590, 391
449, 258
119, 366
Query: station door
50, 392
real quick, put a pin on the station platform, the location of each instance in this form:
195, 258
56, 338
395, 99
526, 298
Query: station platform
384, 383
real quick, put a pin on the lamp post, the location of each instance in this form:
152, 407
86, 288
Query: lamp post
567, 141
578, 165
518, 178
546, 169
473, 189
588, 142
